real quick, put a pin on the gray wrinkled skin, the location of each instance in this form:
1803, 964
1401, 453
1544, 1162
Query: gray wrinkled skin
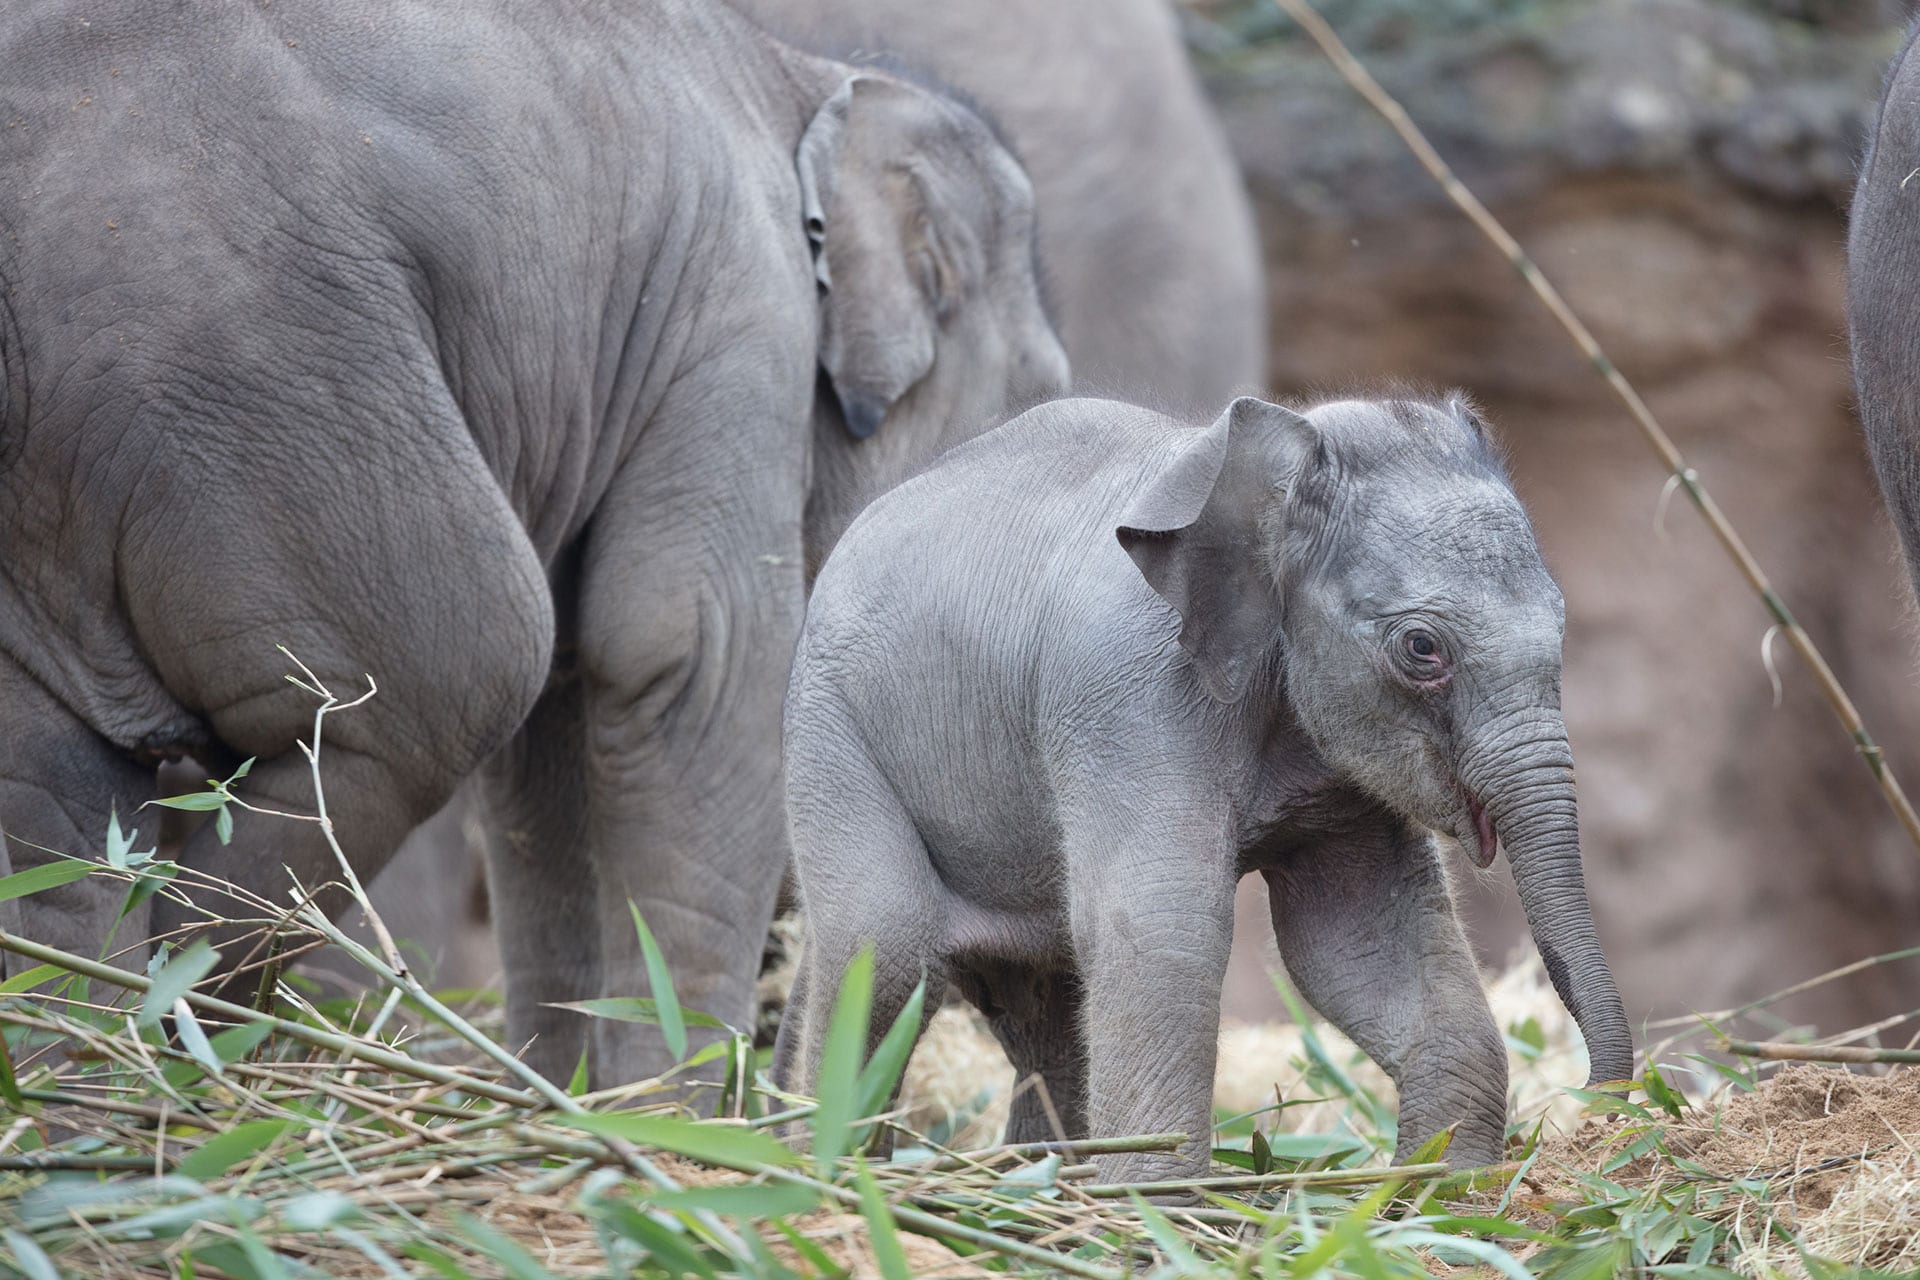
1147, 238
510, 353
1057, 694
1147, 243
1883, 313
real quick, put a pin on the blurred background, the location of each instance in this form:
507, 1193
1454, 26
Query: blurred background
1681, 169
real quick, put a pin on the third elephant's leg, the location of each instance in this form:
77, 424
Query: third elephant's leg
690, 603
1368, 933
540, 880
1036, 1017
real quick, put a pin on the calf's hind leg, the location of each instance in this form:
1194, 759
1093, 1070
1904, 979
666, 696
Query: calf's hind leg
865, 880
1035, 1015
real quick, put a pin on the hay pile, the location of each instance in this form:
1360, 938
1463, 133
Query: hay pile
1830, 1155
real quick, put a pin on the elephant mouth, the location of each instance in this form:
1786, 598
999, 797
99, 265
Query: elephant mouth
1486, 838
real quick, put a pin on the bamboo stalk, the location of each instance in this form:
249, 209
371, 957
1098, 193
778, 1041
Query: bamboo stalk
1671, 458
1831, 975
1774, 1051
1262, 1182
397, 1063
67, 1161
1039, 1150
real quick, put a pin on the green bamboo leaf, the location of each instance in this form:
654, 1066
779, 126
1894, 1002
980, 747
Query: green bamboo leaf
668, 1248
1031, 1178
193, 802
223, 1151
193, 1039
246, 767
223, 824
419, 1251
175, 978
810, 1253
29, 1256
1602, 1261
230, 1045
9, 1087
150, 881
119, 843
319, 1210
673, 1027
48, 875
264, 1263
578, 1084
515, 1261
633, 1009
1262, 1153
1433, 1148
729, 1146
31, 978
1599, 1100
1662, 1094
882, 1072
1180, 1254
747, 1200
837, 1085
880, 1229
1297, 1147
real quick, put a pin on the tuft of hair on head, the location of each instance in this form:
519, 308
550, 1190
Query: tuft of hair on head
1411, 404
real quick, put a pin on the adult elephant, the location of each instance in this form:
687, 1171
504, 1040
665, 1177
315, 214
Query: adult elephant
1147, 245
518, 355
1146, 235
1883, 315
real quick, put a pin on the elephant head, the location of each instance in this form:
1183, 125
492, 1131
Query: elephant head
1368, 562
931, 320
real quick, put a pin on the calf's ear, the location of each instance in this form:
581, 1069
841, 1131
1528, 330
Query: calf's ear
1199, 534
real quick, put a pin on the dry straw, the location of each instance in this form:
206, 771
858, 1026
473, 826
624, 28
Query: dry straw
1681, 474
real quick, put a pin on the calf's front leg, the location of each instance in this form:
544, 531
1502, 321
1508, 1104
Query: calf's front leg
1368, 933
1152, 921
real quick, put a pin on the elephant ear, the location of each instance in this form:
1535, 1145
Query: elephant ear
887, 249
1197, 535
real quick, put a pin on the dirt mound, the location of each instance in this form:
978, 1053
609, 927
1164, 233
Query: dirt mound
1811, 1126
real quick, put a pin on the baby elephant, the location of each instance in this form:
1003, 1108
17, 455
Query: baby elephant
1058, 693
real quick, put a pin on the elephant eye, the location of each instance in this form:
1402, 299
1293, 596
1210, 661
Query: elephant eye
1422, 655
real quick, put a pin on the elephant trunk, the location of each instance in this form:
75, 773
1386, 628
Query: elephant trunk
1525, 783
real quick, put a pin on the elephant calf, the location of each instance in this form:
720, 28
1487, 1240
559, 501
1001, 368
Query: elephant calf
1057, 694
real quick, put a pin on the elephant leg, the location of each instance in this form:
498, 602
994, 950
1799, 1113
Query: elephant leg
865, 880
1035, 1015
1367, 930
456, 627
540, 881
784, 1067
59, 781
1152, 921
691, 598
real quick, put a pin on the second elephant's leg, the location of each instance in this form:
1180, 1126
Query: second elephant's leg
1036, 1018
1367, 930
541, 881
688, 611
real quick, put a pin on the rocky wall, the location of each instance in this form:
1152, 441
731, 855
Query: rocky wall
1681, 170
